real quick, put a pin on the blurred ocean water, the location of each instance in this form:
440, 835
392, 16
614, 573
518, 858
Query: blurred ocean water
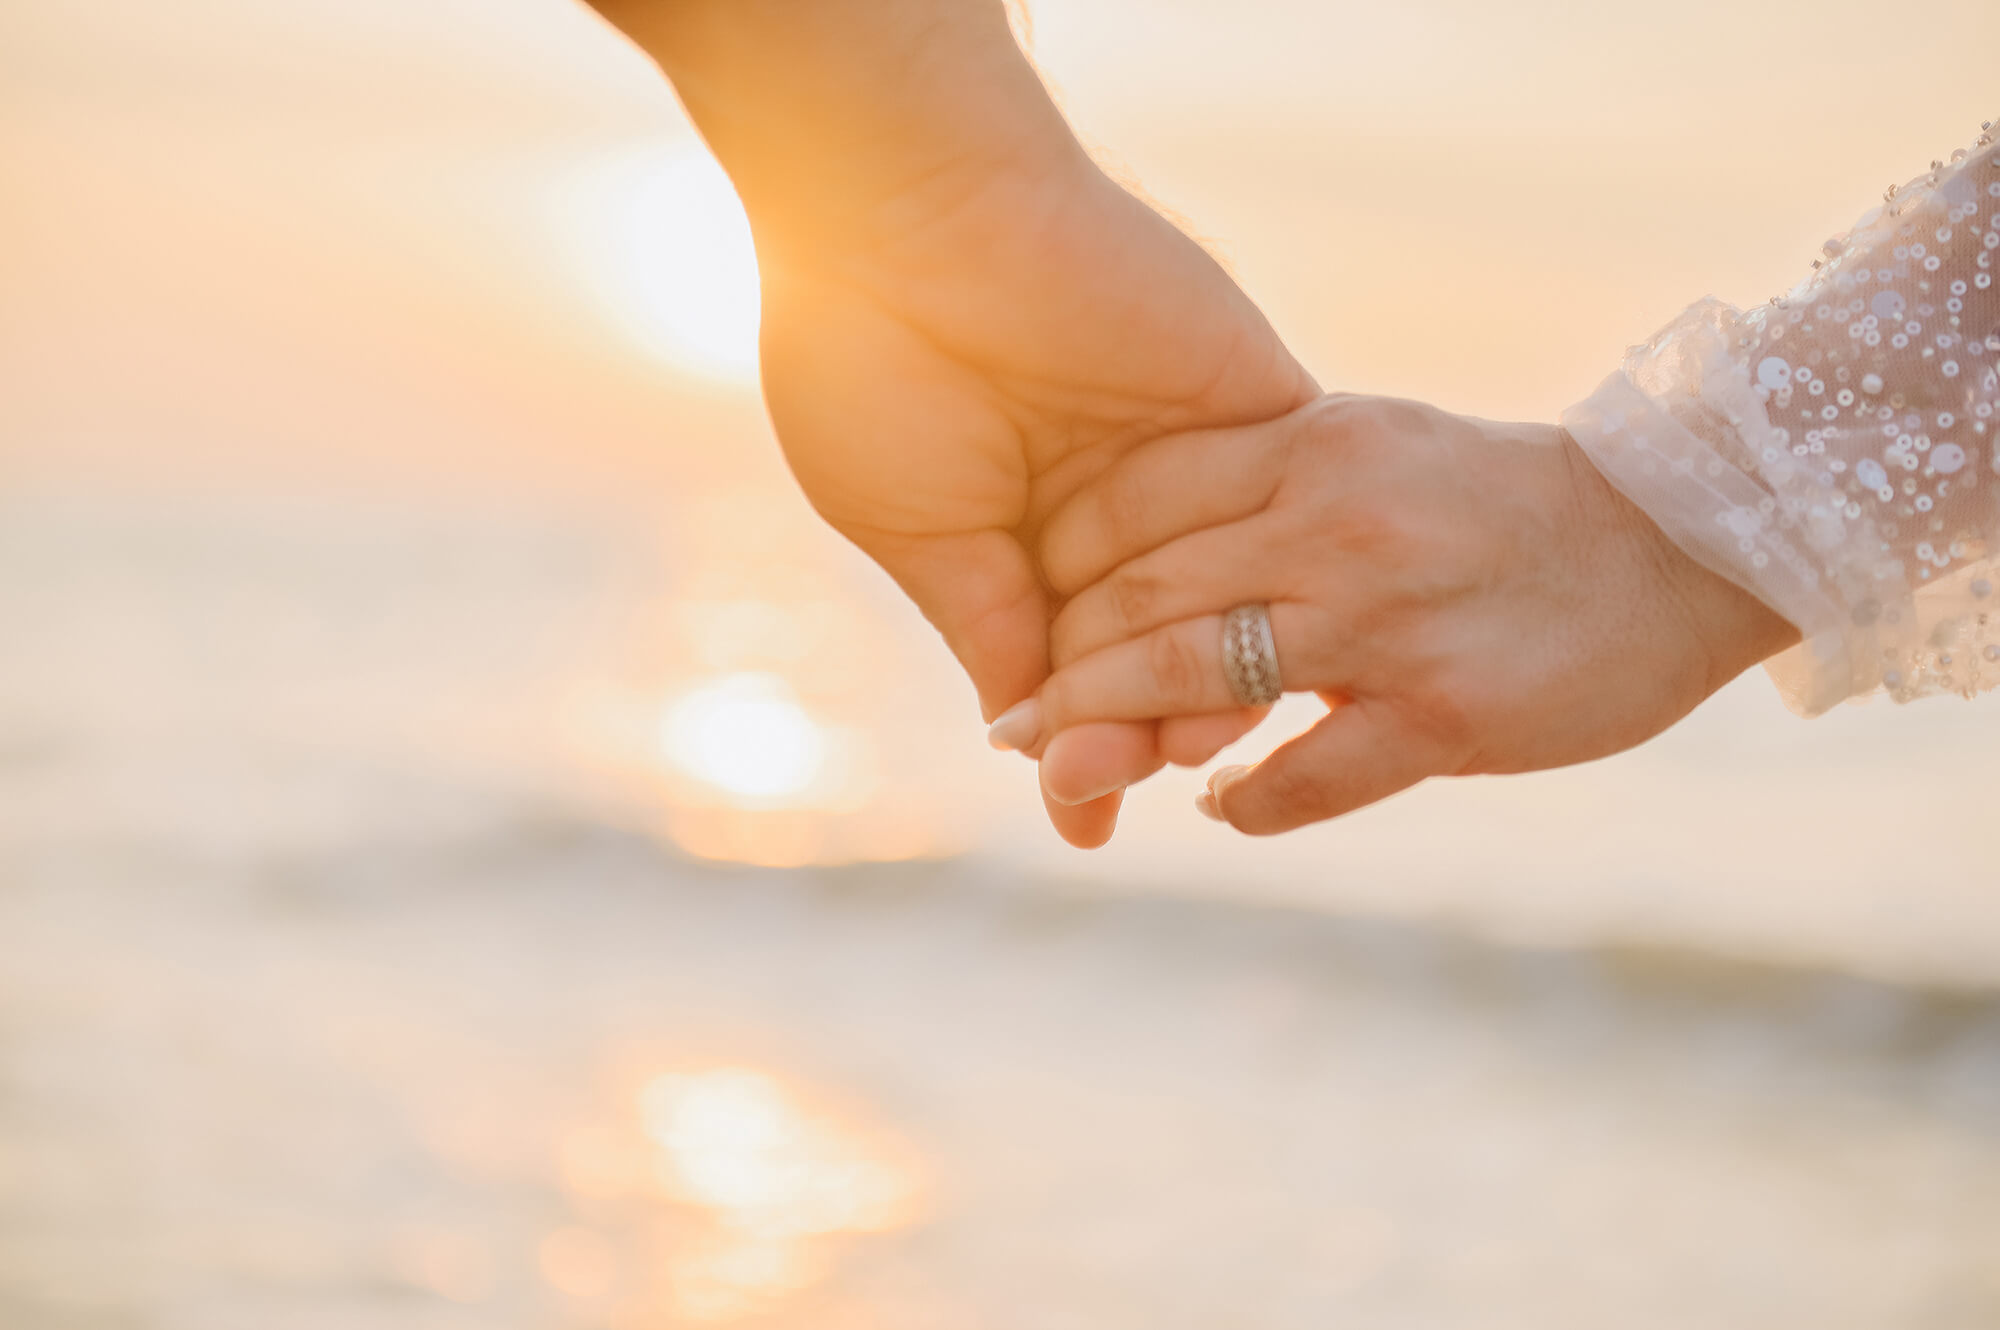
337, 993
524, 1070
715, 669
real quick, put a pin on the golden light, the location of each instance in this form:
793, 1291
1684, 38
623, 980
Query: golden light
577, 1262
726, 1276
667, 246
776, 1181
598, 1162
748, 735
734, 1142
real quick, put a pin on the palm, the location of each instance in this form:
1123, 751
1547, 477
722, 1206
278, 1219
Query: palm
940, 390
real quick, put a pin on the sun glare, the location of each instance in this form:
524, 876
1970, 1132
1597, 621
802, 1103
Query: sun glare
748, 735
736, 1142
762, 1184
775, 1178
671, 252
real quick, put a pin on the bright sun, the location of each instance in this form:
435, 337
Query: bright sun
674, 259
747, 734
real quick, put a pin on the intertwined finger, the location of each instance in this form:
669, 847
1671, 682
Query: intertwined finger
1190, 741
1359, 754
1165, 489
1176, 671
1081, 763
1207, 572
980, 591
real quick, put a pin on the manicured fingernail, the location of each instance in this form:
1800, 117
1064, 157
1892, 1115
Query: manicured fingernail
1018, 727
1223, 777
1209, 801
1087, 796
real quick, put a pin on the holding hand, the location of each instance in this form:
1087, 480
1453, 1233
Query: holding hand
1467, 597
964, 318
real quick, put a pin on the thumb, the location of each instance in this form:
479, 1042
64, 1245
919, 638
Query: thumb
980, 590
1358, 754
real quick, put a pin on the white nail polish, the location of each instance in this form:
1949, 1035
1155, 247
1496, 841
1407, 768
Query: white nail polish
1018, 727
1204, 803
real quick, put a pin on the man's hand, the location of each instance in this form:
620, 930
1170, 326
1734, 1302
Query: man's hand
965, 320
939, 396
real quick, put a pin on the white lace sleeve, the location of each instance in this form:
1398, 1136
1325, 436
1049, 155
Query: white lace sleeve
1834, 452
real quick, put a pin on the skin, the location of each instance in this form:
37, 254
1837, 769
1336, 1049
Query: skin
1467, 598
965, 320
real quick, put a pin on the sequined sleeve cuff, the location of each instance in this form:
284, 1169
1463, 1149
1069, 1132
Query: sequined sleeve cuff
1833, 452
1722, 519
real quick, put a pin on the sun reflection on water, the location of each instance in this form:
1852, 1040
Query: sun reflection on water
763, 711
747, 1185
736, 1143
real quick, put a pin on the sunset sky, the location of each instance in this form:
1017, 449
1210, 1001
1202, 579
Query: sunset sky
1479, 204
465, 256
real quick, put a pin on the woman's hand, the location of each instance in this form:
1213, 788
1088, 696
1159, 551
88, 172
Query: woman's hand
1467, 597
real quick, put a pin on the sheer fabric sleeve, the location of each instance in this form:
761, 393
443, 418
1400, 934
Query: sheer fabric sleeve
1834, 451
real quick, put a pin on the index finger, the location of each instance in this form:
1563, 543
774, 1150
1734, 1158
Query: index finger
1164, 489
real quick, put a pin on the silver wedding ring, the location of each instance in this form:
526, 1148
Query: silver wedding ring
1250, 656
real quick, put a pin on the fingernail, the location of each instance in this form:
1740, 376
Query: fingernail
1208, 801
1018, 727
1222, 777
1087, 796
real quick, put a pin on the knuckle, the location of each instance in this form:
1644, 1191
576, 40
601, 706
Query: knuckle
1059, 706
1133, 596
1067, 637
1332, 413
1361, 428
1339, 431
1337, 420
1317, 430
1177, 668
1122, 508
1377, 534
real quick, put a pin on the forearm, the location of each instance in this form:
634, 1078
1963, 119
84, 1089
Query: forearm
826, 111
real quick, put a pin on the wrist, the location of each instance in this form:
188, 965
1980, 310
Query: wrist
1728, 629
829, 114
1737, 629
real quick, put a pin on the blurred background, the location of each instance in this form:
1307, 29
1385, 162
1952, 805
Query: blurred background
475, 852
